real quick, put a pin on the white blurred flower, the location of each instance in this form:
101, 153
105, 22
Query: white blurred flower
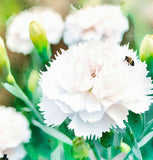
100, 22
94, 86
17, 34
14, 130
17, 153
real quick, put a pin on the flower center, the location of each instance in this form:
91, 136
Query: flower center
92, 28
94, 71
93, 75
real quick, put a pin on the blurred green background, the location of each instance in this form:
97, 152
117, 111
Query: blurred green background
20, 63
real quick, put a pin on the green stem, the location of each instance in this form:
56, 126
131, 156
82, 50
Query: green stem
126, 157
54, 133
95, 150
109, 153
144, 127
144, 120
28, 102
17, 92
92, 155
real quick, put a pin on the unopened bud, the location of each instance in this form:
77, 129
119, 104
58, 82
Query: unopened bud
5, 73
4, 61
107, 139
125, 148
146, 48
39, 39
80, 148
33, 80
10, 79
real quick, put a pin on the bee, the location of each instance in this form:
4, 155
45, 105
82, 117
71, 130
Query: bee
129, 60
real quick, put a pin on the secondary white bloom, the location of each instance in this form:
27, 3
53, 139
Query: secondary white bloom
94, 86
14, 130
17, 34
100, 22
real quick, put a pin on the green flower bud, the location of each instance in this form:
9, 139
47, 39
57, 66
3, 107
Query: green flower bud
107, 139
4, 61
39, 39
33, 80
5, 72
80, 148
146, 48
125, 148
10, 79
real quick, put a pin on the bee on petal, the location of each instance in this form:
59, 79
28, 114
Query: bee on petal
129, 60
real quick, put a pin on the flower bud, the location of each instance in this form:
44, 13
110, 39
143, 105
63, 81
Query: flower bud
39, 39
80, 148
125, 148
10, 79
107, 139
5, 73
146, 48
33, 80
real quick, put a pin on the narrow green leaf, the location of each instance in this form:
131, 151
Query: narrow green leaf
120, 156
137, 151
129, 131
53, 132
26, 109
135, 147
146, 150
92, 155
13, 90
146, 139
136, 123
148, 127
58, 152
97, 149
146, 130
68, 155
16, 91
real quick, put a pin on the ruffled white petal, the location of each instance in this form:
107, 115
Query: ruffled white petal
81, 101
118, 113
142, 104
52, 113
91, 117
85, 129
17, 153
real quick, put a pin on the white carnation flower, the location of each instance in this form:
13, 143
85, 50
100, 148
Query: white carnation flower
101, 22
94, 86
14, 130
17, 34
17, 153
